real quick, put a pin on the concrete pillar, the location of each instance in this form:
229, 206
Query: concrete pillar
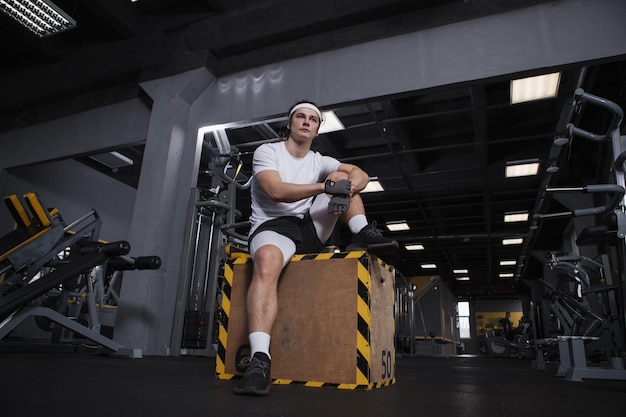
169, 171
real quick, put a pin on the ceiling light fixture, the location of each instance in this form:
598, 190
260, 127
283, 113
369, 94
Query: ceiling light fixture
42, 17
373, 187
397, 226
462, 278
535, 88
522, 168
513, 241
331, 122
506, 275
512, 217
414, 246
460, 271
428, 266
112, 160
507, 263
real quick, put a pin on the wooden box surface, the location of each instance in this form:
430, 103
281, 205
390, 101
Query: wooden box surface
335, 324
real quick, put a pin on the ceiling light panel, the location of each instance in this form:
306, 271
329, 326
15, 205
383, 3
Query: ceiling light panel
373, 187
516, 217
414, 246
535, 88
397, 226
112, 160
41, 17
522, 168
331, 123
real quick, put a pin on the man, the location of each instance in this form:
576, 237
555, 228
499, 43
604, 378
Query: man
297, 197
507, 329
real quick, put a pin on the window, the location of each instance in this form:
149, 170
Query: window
464, 319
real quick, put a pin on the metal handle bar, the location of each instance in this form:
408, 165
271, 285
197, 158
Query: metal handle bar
617, 192
227, 229
618, 114
239, 185
80, 220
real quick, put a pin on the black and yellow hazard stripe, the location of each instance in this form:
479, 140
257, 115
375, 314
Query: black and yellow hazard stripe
220, 365
363, 351
41, 214
22, 220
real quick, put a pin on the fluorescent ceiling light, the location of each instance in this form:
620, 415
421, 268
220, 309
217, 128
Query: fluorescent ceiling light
460, 271
513, 241
506, 275
535, 88
373, 187
331, 122
428, 266
507, 263
112, 160
522, 168
462, 278
42, 17
398, 226
516, 217
414, 246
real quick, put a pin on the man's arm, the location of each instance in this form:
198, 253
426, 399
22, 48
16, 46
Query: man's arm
271, 182
356, 176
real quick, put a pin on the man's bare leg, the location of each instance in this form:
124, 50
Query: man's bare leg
262, 308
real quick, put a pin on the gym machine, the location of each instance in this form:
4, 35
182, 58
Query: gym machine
587, 302
413, 337
212, 230
60, 275
521, 345
409, 316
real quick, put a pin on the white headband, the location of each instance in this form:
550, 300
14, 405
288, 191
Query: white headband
306, 106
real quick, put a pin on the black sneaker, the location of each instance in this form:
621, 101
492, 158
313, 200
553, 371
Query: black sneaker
256, 380
371, 239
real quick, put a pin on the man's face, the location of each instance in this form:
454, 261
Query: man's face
304, 123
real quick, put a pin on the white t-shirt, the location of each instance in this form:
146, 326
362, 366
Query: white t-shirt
312, 168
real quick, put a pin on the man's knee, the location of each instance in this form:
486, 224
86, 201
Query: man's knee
268, 255
268, 262
337, 175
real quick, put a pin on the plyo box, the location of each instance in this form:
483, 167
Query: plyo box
335, 324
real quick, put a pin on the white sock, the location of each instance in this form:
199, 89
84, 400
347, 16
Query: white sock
357, 223
259, 342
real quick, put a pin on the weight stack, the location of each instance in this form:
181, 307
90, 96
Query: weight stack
335, 325
195, 329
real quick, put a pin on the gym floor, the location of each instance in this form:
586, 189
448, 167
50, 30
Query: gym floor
84, 384
87, 385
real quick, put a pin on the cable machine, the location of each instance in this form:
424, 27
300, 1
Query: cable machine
211, 227
588, 301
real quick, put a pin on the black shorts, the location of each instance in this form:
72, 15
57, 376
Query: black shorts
301, 231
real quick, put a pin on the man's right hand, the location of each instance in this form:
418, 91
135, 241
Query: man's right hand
338, 204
